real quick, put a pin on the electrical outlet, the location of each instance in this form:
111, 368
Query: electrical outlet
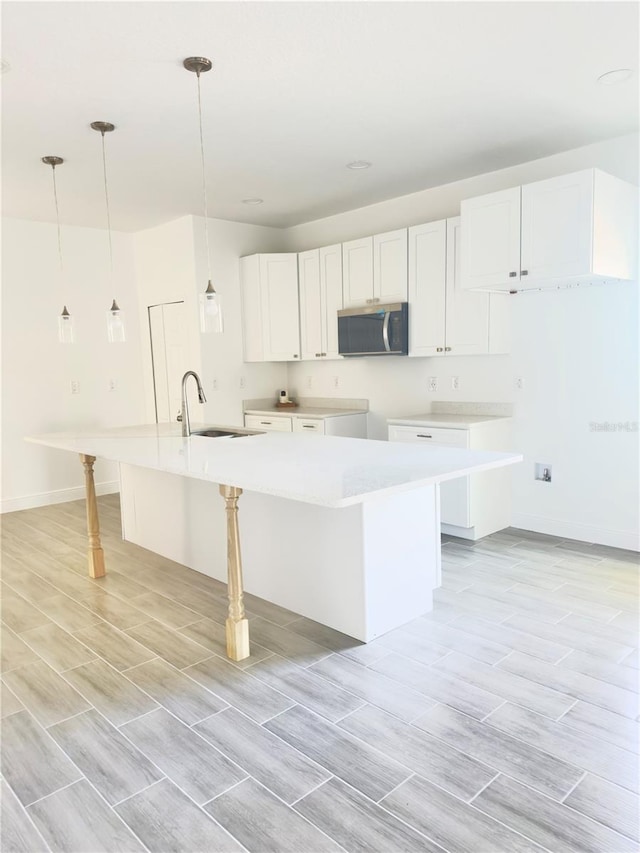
336, 381
75, 386
433, 383
455, 383
214, 385
519, 383
242, 382
309, 381
112, 385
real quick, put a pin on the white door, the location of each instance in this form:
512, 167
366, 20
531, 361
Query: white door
390, 266
169, 353
557, 228
357, 271
427, 274
331, 290
467, 325
279, 295
490, 255
311, 307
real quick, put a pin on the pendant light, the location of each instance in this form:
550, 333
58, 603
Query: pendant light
115, 320
65, 320
210, 307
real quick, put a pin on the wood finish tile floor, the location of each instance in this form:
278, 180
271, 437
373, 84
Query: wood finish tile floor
504, 721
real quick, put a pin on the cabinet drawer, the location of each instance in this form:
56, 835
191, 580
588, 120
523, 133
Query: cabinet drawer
308, 425
430, 435
267, 423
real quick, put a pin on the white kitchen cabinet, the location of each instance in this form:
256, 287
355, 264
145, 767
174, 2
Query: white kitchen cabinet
390, 266
320, 278
350, 426
270, 316
445, 320
375, 269
573, 229
474, 506
357, 272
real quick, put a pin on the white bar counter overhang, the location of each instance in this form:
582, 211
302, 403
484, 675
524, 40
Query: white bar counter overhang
344, 531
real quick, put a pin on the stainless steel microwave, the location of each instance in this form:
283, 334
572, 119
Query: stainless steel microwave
374, 330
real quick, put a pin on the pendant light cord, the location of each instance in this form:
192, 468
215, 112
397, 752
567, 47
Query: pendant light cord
204, 183
106, 196
55, 198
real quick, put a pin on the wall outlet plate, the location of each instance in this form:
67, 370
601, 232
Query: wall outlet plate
75, 386
455, 383
518, 383
433, 383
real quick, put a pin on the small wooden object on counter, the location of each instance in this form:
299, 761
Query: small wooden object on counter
289, 405
95, 553
237, 625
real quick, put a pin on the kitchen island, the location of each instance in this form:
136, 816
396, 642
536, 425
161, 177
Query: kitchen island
344, 531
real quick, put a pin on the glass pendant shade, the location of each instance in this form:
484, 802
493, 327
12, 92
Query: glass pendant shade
210, 311
65, 327
115, 324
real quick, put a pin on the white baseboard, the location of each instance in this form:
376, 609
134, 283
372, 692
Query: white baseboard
627, 539
58, 496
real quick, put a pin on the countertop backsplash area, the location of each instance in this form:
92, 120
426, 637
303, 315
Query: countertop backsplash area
500, 410
269, 403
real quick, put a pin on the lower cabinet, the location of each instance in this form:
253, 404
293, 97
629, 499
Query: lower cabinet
349, 426
475, 506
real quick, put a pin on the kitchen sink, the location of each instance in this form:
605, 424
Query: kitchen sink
221, 433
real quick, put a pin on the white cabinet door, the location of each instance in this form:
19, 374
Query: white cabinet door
331, 290
267, 423
491, 240
390, 266
455, 503
357, 271
427, 285
169, 352
311, 306
467, 319
557, 227
279, 297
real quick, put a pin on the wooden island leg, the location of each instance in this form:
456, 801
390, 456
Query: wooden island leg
237, 625
95, 553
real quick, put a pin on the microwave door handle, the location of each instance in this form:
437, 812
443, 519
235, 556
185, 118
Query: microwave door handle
385, 330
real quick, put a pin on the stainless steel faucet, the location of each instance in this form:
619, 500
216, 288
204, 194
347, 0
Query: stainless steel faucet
184, 410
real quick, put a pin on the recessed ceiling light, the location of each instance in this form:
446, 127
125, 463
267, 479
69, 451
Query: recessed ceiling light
619, 75
252, 200
359, 164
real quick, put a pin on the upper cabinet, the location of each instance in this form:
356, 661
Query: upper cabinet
375, 269
320, 275
444, 320
271, 325
576, 228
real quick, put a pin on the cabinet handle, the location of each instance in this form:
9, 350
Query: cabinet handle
295, 355
447, 349
266, 423
421, 435
439, 349
318, 354
309, 426
524, 272
513, 274
324, 353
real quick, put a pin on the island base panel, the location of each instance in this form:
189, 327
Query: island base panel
362, 570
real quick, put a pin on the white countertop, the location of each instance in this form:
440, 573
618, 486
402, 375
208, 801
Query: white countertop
445, 420
317, 469
304, 412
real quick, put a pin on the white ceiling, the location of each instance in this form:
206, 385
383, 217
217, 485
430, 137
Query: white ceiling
430, 92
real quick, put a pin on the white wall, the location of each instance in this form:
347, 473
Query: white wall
171, 266
577, 351
37, 370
